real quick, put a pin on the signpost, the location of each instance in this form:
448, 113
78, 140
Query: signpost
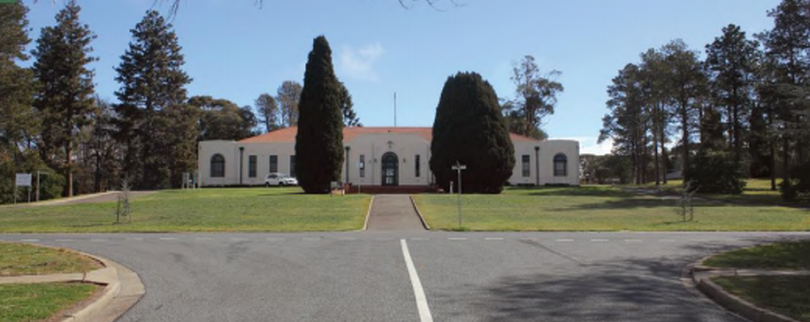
458, 167
22, 180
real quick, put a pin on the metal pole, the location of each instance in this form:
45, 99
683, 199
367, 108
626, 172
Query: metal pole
15, 192
38, 185
29, 193
459, 196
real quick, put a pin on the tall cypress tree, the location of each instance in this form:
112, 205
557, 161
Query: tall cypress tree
152, 98
469, 129
319, 142
65, 98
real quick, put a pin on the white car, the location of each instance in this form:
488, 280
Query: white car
279, 179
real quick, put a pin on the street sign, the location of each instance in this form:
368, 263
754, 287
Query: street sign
23, 180
459, 167
360, 165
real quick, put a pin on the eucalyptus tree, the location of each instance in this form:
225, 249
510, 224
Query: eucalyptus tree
536, 93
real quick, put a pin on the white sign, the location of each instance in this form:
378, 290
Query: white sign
463, 167
360, 165
23, 180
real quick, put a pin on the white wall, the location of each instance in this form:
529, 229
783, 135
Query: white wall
373, 147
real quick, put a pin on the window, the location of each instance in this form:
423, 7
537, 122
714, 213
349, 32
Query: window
292, 166
252, 166
560, 165
217, 166
417, 169
273, 163
362, 166
526, 165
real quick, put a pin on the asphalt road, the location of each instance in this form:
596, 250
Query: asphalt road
365, 276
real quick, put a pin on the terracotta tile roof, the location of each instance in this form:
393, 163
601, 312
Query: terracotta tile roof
350, 133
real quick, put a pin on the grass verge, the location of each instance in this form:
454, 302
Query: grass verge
232, 209
20, 259
600, 208
40, 302
786, 295
793, 255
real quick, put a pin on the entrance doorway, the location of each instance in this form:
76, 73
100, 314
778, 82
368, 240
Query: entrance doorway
390, 169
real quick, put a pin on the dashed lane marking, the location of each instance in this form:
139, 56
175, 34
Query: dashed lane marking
203, 238
419, 293
98, 240
167, 238
64, 240
275, 239
493, 238
564, 240
29, 240
600, 240
632, 240
457, 238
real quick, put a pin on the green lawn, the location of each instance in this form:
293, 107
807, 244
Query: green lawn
19, 259
757, 192
785, 295
600, 208
795, 255
39, 302
229, 209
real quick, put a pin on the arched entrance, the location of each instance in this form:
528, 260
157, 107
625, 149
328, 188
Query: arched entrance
390, 169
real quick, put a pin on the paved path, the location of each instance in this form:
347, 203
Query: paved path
372, 275
109, 196
393, 213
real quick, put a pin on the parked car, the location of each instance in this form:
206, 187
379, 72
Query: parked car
279, 179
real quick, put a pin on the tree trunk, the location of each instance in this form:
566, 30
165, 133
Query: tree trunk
786, 159
68, 172
684, 141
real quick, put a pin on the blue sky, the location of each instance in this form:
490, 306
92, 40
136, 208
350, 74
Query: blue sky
236, 50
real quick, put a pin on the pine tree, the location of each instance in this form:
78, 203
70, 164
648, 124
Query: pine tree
347, 107
319, 142
65, 99
469, 129
732, 62
151, 97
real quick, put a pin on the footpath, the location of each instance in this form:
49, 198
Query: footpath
394, 213
122, 289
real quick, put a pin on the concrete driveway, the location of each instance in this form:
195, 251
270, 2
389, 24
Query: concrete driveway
378, 276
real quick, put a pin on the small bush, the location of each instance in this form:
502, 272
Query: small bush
716, 172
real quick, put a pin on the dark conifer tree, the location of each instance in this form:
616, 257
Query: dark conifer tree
65, 98
319, 142
151, 98
470, 129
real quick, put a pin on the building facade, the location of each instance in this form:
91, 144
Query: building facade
377, 156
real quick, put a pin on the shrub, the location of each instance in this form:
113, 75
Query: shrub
716, 172
798, 187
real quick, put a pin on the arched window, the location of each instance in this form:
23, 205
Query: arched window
217, 166
560, 165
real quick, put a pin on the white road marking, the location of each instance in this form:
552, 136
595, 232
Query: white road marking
98, 240
599, 240
167, 238
64, 240
418, 292
29, 240
493, 238
632, 240
457, 238
565, 240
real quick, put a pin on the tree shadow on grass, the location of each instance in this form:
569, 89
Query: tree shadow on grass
577, 192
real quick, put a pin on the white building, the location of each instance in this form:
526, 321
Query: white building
388, 156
